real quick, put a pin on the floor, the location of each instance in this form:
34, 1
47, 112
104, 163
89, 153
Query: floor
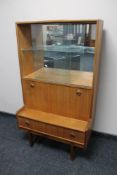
50, 157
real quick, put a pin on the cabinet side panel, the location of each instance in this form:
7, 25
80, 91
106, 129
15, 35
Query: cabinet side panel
25, 41
23, 33
26, 58
96, 64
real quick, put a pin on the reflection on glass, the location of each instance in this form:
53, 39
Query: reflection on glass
65, 46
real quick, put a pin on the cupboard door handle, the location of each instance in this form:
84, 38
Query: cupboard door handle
78, 92
32, 85
27, 123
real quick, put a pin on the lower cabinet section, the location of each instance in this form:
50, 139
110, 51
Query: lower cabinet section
69, 135
58, 99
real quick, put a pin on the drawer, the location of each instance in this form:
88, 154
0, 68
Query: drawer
26, 123
46, 128
74, 135
65, 133
52, 130
60, 132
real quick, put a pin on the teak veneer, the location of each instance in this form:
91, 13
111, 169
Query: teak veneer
61, 76
54, 119
58, 103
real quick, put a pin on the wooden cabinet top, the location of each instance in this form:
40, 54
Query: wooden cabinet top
92, 21
64, 77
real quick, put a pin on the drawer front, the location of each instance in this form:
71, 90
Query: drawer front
26, 123
65, 133
73, 136
58, 99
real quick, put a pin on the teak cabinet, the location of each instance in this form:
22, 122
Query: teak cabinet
59, 65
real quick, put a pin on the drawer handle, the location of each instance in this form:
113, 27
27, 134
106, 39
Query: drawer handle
32, 85
72, 135
27, 123
78, 92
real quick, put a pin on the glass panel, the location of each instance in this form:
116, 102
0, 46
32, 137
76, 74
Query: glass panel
63, 46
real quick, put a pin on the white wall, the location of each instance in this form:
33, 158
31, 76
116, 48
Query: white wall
21, 10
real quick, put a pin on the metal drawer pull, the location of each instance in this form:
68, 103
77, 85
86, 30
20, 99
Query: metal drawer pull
27, 123
79, 92
32, 85
72, 135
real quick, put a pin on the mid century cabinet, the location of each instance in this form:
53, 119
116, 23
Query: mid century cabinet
59, 65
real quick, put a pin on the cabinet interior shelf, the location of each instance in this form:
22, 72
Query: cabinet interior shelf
61, 48
61, 76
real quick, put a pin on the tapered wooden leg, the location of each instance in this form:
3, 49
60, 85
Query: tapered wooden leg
72, 152
30, 137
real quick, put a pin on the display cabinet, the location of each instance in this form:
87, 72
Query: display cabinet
59, 65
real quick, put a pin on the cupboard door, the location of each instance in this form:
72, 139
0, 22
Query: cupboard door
36, 95
63, 100
80, 103
70, 101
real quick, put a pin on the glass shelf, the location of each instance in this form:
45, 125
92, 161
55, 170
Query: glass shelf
61, 48
74, 57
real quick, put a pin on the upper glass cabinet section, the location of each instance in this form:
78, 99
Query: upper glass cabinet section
68, 46
58, 52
